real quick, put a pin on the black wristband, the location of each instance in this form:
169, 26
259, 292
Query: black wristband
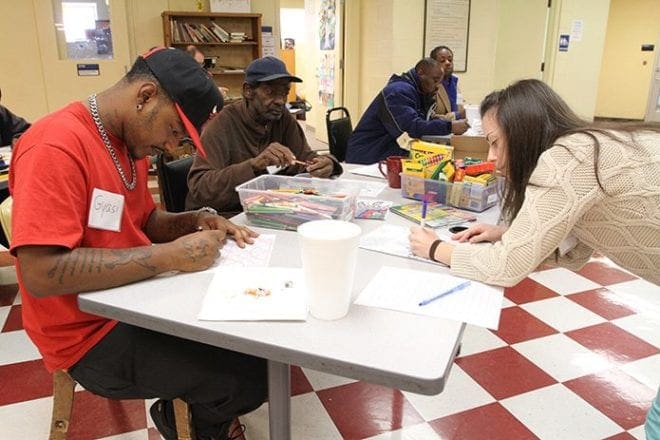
432, 249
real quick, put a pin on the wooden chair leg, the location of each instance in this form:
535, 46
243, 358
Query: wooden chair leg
63, 386
183, 420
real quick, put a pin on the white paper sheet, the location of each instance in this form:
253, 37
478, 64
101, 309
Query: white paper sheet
369, 171
254, 255
393, 240
228, 297
403, 289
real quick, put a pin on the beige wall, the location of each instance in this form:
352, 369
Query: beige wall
625, 67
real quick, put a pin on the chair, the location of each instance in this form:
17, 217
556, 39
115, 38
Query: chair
339, 130
5, 217
63, 392
64, 384
173, 182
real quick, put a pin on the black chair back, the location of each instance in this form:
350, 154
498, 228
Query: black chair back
339, 129
173, 182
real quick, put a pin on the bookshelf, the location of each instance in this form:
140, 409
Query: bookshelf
232, 40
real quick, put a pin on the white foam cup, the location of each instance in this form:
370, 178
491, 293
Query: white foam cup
329, 253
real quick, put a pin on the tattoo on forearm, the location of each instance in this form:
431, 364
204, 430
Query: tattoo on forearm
137, 256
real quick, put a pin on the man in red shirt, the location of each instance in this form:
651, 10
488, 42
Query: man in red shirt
84, 219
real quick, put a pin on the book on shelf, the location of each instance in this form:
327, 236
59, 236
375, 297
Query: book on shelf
222, 34
437, 215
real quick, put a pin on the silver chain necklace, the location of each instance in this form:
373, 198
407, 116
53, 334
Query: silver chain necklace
94, 110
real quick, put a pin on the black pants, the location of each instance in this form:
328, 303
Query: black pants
135, 363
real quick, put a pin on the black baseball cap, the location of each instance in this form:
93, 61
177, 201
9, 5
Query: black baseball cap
268, 69
195, 95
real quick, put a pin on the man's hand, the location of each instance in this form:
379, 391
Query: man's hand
274, 154
459, 127
480, 232
241, 234
197, 251
321, 166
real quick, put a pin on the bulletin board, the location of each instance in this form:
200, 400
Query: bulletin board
447, 23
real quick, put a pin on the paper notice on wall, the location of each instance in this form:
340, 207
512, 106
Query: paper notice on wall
577, 27
230, 5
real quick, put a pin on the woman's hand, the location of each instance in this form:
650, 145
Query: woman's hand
421, 240
480, 232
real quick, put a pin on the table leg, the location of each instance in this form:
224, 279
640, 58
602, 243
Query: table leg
279, 400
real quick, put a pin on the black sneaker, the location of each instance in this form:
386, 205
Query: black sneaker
162, 413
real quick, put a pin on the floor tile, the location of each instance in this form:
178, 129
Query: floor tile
17, 347
638, 433
477, 339
616, 394
605, 273
320, 381
561, 357
26, 420
140, 434
563, 281
362, 410
96, 417
644, 325
641, 294
5, 258
622, 436
492, 422
603, 302
423, 431
309, 420
562, 314
517, 325
646, 370
24, 381
528, 290
4, 312
504, 372
555, 412
609, 340
14, 320
461, 393
299, 383
8, 276
8, 294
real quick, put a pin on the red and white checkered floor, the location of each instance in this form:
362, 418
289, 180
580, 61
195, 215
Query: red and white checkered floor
577, 356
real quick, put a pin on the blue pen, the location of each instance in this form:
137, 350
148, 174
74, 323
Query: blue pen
445, 293
425, 204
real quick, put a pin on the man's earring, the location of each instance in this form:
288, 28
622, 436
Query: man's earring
139, 107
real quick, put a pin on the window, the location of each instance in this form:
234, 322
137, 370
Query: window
82, 28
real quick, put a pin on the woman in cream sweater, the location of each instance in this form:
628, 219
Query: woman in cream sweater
566, 180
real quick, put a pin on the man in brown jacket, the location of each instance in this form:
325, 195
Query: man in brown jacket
248, 138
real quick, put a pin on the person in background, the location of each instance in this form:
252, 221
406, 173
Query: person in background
198, 56
11, 126
98, 227
446, 106
401, 107
566, 181
251, 135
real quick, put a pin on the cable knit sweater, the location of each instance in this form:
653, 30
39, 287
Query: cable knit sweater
563, 197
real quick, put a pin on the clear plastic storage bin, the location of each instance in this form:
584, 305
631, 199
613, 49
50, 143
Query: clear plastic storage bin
463, 195
282, 202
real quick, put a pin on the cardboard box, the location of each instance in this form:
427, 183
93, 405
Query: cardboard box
461, 195
470, 146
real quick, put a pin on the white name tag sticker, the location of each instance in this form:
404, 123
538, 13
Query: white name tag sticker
404, 141
105, 210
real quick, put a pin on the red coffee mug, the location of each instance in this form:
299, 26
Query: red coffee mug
393, 175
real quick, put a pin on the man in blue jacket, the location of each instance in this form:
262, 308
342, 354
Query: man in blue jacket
401, 107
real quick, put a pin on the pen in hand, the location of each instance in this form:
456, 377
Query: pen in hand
461, 286
425, 204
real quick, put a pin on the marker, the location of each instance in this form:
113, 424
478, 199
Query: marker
425, 204
445, 293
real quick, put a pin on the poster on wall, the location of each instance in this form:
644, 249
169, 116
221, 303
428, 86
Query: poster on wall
327, 24
326, 76
447, 23
230, 5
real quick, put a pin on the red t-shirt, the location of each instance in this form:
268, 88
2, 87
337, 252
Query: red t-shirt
55, 168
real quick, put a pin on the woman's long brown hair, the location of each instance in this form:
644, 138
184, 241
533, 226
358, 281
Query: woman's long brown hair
532, 117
